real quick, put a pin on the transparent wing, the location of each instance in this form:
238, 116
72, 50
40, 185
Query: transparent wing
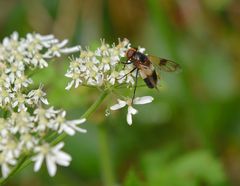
164, 64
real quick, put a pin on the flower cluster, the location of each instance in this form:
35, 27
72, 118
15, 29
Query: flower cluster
25, 122
104, 68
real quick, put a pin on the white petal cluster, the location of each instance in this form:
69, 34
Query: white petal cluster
52, 155
18, 57
102, 67
25, 122
130, 103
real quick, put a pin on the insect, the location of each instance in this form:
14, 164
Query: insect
148, 66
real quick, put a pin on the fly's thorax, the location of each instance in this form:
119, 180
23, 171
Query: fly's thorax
138, 56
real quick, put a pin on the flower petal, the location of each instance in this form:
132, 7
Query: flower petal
51, 166
78, 121
70, 131
143, 100
39, 159
63, 159
119, 105
132, 110
58, 146
129, 118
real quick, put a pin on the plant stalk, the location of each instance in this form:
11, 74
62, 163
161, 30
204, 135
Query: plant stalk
105, 157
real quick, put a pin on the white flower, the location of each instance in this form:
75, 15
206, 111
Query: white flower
75, 78
5, 81
70, 127
21, 122
43, 117
4, 126
37, 95
28, 141
10, 147
38, 60
58, 48
5, 96
22, 82
52, 155
19, 100
16, 70
5, 163
129, 102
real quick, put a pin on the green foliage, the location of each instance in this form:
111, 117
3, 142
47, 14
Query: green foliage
192, 169
132, 179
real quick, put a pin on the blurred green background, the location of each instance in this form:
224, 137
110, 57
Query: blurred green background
190, 134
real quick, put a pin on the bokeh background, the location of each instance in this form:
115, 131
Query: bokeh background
189, 135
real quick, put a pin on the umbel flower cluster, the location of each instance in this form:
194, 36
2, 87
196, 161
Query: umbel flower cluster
26, 121
104, 69
101, 68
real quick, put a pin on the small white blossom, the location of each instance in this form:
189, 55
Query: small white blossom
75, 78
70, 127
4, 126
10, 147
58, 48
52, 155
5, 97
20, 100
21, 122
28, 141
6, 162
43, 117
129, 103
60, 124
38, 60
37, 96
22, 82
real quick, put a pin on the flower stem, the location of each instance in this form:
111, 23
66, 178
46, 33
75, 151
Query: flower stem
25, 161
96, 104
13, 171
105, 158
89, 111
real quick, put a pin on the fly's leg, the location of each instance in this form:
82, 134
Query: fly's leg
126, 63
127, 73
135, 85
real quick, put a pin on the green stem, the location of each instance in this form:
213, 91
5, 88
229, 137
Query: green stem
13, 171
105, 158
96, 104
90, 110
27, 159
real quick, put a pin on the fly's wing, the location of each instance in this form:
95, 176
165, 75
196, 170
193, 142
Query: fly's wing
164, 64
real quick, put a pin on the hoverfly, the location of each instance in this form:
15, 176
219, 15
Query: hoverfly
149, 66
